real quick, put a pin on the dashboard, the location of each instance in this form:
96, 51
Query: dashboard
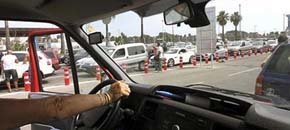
177, 108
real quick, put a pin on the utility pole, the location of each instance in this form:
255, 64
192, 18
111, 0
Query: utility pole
173, 34
283, 22
162, 31
7, 33
142, 32
240, 10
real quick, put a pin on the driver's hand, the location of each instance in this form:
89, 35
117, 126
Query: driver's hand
118, 90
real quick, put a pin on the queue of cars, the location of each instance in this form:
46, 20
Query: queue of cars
245, 47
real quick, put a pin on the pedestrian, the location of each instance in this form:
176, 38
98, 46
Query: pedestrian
8, 63
55, 107
158, 57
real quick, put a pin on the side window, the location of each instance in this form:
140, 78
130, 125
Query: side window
119, 53
132, 51
182, 51
280, 62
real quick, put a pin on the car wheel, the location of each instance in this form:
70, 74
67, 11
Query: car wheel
67, 61
170, 63
141, 66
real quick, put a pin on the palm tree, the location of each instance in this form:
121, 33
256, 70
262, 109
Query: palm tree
236, 18
222, 19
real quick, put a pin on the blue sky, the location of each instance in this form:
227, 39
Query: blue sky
260, 15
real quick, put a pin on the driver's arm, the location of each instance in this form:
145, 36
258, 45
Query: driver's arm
18, 112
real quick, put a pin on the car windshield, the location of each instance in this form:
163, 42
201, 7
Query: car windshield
233, 70
171, 51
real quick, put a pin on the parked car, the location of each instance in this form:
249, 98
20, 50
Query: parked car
173, 55
239, 47
45, 64
53, 55
133, 55
260, 46
272, 43
273, 80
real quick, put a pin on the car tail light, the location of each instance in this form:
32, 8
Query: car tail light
259, 85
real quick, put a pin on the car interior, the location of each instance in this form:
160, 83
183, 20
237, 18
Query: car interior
149, 107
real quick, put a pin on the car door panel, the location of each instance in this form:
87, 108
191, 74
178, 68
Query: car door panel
277, 85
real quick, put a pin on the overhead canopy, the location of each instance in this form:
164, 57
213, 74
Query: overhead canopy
78, 12
20, 32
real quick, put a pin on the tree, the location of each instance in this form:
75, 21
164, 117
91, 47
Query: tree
222, 19
236, 18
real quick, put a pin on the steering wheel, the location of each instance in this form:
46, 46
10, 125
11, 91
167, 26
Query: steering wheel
102, 120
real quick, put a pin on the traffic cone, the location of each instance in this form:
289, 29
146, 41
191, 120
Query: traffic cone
146, 62
66, 76
226, 55
180, 62
165, 64
249, 53
98, 73
256, 51
217, 57
26, 81
242, 54
193, 61
206, 58
235, 55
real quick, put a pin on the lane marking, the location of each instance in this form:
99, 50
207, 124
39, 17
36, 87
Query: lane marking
245, 71
59, 86
13, 93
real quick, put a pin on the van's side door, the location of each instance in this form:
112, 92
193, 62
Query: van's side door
136, 54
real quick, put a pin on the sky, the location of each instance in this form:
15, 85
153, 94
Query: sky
262, 16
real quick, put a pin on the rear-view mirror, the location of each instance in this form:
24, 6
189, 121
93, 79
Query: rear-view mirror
177, 14
95, 38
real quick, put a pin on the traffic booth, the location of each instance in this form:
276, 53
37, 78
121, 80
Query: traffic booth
180, 62
206, 58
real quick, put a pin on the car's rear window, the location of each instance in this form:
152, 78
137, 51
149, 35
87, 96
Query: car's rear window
280, 62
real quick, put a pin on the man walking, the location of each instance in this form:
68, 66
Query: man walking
8, 63
158, 57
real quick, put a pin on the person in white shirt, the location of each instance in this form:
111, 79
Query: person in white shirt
158, 57
8, 63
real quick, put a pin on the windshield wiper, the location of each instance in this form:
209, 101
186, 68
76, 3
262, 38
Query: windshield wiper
225, 91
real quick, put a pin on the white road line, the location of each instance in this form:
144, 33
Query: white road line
134, 75
58, 86
10, 94
245, 71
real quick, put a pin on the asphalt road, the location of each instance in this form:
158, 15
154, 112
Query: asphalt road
239, 74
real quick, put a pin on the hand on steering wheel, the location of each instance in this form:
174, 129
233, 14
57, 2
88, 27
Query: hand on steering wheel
118, 90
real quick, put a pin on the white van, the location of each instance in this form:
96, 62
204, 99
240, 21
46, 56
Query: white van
133, 55
45, 64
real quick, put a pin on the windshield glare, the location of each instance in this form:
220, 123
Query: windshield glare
235, 69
